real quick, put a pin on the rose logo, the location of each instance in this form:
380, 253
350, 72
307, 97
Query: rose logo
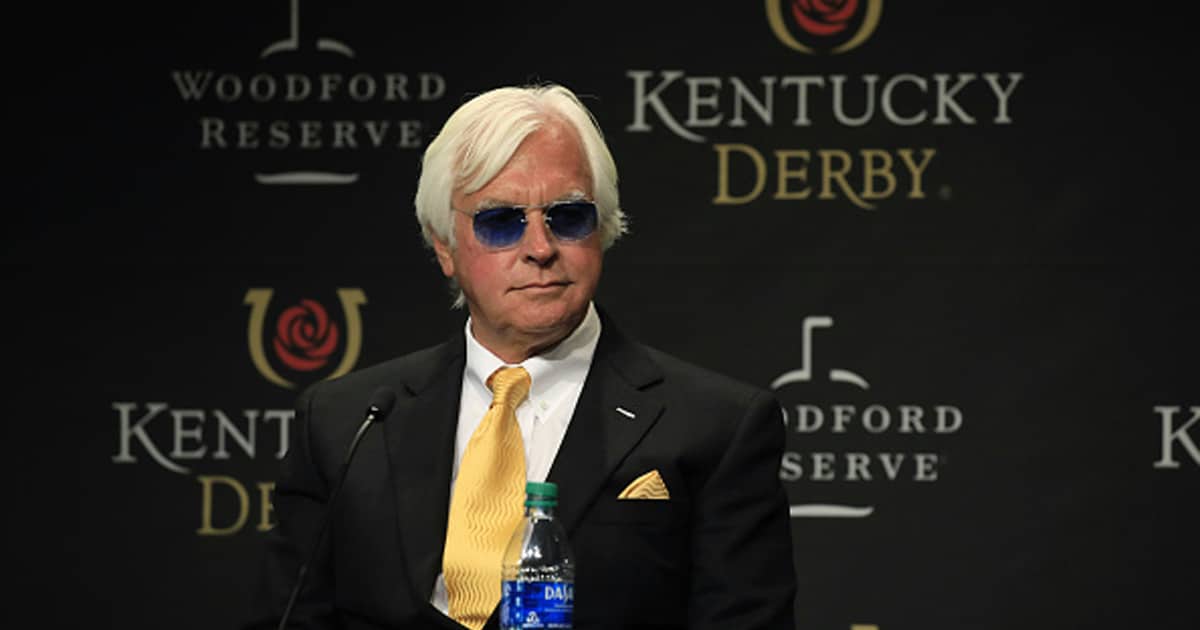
304, 336
822, 23
823, 17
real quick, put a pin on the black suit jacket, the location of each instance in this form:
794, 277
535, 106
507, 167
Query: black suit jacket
718, 554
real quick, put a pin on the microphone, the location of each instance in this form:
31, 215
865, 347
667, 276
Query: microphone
380, 406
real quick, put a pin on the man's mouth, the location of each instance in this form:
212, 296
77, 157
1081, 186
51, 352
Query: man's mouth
542, 286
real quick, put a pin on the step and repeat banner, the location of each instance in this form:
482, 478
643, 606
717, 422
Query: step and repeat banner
958, 243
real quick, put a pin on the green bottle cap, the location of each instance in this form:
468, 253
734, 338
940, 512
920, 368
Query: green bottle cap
541, 494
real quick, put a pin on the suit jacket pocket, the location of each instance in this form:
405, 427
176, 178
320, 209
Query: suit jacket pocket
665, 514
632, 564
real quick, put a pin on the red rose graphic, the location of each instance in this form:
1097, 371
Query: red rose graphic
304, 336
823, 17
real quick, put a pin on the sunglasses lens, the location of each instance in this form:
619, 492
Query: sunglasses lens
499, 227
573, 220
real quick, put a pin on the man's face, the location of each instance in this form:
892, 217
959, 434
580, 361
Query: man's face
529, 296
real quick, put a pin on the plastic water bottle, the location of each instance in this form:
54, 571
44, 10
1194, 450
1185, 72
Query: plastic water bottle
538, 588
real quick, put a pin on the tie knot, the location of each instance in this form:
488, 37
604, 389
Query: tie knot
509, 385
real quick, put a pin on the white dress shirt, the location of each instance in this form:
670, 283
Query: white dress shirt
556, 380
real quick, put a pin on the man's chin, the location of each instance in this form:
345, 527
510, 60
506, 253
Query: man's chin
542, 321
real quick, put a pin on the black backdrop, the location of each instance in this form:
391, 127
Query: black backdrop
989, 376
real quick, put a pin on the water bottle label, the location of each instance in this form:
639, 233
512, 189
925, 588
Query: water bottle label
525, 605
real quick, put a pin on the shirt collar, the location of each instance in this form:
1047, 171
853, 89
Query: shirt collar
564, 365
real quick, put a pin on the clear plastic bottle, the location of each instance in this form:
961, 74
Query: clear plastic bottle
538, 587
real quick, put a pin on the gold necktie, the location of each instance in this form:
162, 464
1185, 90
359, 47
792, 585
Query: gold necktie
487, 503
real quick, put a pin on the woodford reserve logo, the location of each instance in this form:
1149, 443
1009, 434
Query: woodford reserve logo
737, 114
308, 111
222, 447
853, 437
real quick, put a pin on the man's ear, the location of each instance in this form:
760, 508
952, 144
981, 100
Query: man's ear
444, 255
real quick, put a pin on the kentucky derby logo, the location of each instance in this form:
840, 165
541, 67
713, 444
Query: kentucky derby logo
304, 338
823, 26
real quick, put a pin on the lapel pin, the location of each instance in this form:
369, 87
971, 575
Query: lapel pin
625, 412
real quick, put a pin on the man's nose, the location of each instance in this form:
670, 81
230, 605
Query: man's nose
540, 245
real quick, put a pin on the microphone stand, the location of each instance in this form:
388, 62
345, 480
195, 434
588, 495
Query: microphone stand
381, 403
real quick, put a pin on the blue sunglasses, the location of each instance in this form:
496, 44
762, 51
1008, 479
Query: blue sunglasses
503, 226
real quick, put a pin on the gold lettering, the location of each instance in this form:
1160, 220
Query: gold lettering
793, 179
917, 170
781, 158
760, 179
828, 174
266, 509
870, 172
206, 505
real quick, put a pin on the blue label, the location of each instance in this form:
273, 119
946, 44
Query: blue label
525, 605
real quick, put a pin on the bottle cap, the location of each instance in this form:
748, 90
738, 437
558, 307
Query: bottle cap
541, 494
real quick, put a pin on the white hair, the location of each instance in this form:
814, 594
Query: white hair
481, 136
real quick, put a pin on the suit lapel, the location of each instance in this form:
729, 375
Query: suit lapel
616, 407
420, 445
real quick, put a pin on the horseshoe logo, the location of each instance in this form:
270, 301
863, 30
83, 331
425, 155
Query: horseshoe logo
823, 18
314, 340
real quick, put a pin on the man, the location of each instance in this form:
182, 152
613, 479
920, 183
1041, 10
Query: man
667, 473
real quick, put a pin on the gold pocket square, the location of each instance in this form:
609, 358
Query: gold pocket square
648, 486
